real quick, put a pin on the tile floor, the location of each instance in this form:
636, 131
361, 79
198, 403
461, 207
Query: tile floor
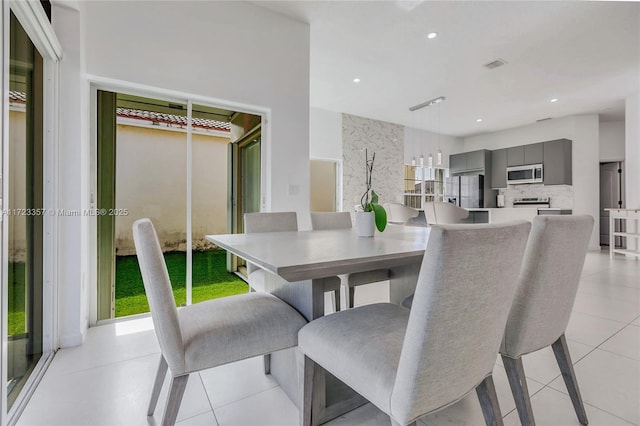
107, 380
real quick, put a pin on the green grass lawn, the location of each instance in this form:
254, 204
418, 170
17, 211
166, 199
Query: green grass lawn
210, 280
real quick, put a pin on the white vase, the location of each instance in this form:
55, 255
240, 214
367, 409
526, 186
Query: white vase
365, 224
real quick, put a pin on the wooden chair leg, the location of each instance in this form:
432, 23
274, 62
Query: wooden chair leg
561, 351
157, 385
307, 391
518, 384
266, 359
489, 402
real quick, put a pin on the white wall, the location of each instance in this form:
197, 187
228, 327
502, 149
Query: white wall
325, 138
234, 51
584, 131
612, 141
73, 182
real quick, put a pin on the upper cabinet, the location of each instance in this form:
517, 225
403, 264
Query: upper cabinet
557, 162
533, 153
470, 161
499, 168
525, 154
515, 156
555, 156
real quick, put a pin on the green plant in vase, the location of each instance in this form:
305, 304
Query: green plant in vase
369, 200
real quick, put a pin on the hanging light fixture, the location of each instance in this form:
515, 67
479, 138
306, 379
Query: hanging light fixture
413, 161
430, 160
421, 160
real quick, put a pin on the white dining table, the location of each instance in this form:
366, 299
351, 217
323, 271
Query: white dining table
299, 262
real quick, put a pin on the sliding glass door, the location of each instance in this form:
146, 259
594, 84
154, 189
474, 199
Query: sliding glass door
167, 161
24, 255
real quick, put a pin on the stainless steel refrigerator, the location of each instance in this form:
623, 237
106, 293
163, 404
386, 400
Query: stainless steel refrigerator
465, 191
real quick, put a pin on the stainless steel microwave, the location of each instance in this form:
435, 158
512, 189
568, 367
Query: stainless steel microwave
531, 173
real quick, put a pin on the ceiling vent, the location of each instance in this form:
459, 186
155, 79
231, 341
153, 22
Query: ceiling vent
495, 64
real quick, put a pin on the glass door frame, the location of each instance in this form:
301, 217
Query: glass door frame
34, 21
117, 86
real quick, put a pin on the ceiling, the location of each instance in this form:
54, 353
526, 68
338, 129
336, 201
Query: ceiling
585, 54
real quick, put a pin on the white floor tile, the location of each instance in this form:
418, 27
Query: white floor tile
204, 419
194, 401
607, 291
591, 330
271, 407
621, 276
609, 382
623, 311
553, 408
626, 342
115, 394
542, 365
108, 344
235, 381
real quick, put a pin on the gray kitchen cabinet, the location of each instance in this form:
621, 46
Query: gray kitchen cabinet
533, 153
557, 162
515, 156
476, 160
499, 168
458, 162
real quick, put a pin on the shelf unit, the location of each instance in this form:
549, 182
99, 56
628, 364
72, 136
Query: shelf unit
422, 185
632, 231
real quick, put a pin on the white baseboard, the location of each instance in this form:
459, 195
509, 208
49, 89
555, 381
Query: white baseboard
70, 340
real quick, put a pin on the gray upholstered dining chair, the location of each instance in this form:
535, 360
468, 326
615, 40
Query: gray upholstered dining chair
409, 363
543, 302
279, 222
441, 213
342, 220
206, 334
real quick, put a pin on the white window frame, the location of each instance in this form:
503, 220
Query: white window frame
36, 24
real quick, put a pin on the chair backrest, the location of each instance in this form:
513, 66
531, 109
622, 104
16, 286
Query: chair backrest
548, 283
464, 292
443, 213
157, 286
399, 213
269, 222
330, 220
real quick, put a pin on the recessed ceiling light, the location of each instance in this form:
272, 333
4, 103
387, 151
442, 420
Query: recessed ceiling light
432, 35
356, 80
479, 120
554, 100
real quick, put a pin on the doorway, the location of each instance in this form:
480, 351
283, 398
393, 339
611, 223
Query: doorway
166, 160
611, 197
323, 185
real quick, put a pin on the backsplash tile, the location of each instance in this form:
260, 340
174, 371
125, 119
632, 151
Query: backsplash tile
387, 141
561, 196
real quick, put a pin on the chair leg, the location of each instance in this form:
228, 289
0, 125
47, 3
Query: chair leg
267, 363
394, 423
561, 351
489, 402
337, 304
307, 391
518, 383
157, 385
352, 293
176, 391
